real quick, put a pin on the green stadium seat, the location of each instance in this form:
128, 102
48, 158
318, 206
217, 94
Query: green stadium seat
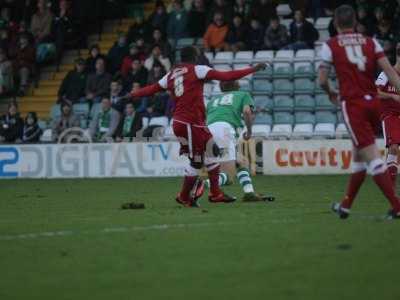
263, 103
319, 90
245, 85
263, 119
83, 123
325, 117
262, 87
282, 87
339, 116
55, 112
304, 118
264, 74
304, 102
323, 103
283, 103
303, 86
283, 118
283, 70
303, 70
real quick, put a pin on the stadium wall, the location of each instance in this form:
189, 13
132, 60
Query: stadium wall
162, 159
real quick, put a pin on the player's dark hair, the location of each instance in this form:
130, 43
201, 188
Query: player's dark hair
345, 17
189, 54
229, 86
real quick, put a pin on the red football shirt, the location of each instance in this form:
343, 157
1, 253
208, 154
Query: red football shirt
389, 106
354, 57
185, 82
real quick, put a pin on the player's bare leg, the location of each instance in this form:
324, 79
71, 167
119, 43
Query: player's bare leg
391, 162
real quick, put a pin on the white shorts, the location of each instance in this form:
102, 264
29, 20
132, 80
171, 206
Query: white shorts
225, 137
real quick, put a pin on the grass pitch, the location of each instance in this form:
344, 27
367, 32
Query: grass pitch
68, 239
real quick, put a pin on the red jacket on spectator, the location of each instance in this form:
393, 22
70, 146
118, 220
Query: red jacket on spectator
127, 62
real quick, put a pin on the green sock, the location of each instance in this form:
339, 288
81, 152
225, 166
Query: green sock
244, 178
222, 180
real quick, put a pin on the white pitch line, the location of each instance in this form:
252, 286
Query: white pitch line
109, 230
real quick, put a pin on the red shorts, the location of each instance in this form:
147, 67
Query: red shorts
362, 119
193, 139
391, 129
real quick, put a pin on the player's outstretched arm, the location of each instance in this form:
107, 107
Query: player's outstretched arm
146, 91
235, 74
390, 72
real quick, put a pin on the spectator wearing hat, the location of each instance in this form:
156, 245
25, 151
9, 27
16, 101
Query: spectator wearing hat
117, 53
105, 124
11, 125
32, 132
94, 54
65, 121
130, 125
177, 21
98, 83
137, 73
6, 73
72, 89
24, 62
214, 38
157, 56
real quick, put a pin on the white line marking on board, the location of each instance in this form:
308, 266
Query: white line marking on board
110, 230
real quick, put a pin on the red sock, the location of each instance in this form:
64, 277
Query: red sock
213, 175
392, 168
188, 183
385, 184
355, 182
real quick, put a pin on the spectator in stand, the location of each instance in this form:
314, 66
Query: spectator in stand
255, 36
223, 7
156, 73
214, 38
94, 54
138, 29
365, 19
156, 56
127, 62
302, 33
5, 42
158, 39
139, 104
24, 63
65, 121
138, 73
117, 53
237, 34
388, 6
385, 37
11, 125
177, 21
156, 106
14, 40
118, 97
263, 11
197, 19
32, 132
130, 125
98, 83
105, 124
159, 17
73, 87
6, 74
242, 8
276, 35
142, 48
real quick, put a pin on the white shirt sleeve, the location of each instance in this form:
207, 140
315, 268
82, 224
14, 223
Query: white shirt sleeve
201, 71
326, 53
163, 82
378, 47
382, 79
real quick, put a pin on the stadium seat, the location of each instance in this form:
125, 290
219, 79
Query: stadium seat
322, 103
223, 57
262, 87
339, 116
263, 119
242, 66
245, 85
319, 90
244, 57
304, 102
55, 112
283, 10
303, 70
325, 117
264, 56
210, 56
184, 42
83, 122
282, 70
283, 118
222, 67
283, 103
264, 74
42, 125
46, 136
284, 55
286, 23
283, 86
303, 86
263, 103
302, 131
261, 130
322, 23
95, 110
323, 35
341, 131
81, 110
281, 131
304, 118
305, 55
324, 130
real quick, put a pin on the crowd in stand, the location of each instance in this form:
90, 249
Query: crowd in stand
146, 52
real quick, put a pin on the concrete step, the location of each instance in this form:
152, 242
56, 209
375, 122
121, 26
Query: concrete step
46, 91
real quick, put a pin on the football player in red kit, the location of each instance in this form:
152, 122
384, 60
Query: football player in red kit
356, 58
390, 117
185, 83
